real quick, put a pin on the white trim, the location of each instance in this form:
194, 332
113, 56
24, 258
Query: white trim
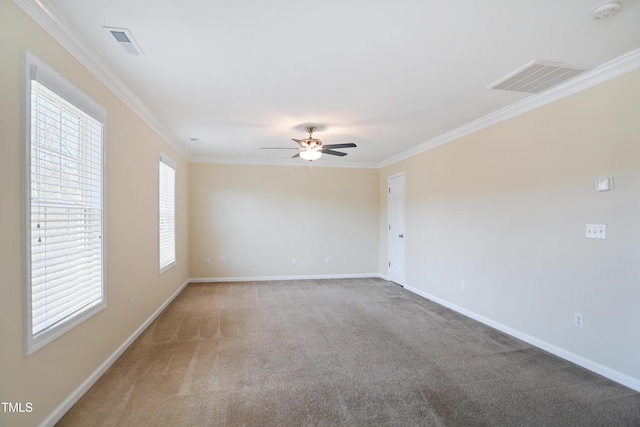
610, 70
322, 163
166, 268
163, 159
38, 70
167, 160
62, 409
389, 246
280, 278
626, 380
47, 18
35, 70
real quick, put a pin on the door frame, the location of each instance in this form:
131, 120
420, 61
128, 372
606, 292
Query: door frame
400, 277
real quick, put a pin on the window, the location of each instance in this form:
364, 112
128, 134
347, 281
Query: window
167, 212
65, 268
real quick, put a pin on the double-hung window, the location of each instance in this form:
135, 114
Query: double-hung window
64, 205
167, 212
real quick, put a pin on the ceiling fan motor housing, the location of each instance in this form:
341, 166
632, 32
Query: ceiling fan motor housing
311, 142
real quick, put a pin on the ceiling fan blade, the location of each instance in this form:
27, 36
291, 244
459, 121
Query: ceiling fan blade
297, 155
345, 145
334, 153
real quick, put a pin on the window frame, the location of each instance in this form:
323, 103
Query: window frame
167, 161
37, 70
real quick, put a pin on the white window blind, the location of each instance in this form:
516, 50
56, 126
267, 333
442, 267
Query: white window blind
167, 212
65, 207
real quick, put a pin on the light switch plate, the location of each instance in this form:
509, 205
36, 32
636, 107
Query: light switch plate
604, 184
596, 231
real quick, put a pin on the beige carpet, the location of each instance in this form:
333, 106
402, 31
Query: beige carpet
339, 352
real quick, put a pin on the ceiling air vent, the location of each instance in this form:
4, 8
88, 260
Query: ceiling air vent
537, 76
125, 39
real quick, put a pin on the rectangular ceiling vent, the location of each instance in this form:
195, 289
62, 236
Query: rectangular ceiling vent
537, 76
125, 39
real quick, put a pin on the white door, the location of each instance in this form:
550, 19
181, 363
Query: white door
396, 228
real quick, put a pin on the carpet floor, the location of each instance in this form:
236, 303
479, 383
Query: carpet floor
349, 352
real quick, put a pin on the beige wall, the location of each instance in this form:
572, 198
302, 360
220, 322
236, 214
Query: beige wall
51, 374
260, 217
504, 209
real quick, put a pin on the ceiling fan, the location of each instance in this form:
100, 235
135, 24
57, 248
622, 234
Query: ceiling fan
312, 148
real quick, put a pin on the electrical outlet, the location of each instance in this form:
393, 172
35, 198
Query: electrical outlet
327, 260
294, 260
578, 320
207, 261
461, 284
428, 274
133, 303
223, 259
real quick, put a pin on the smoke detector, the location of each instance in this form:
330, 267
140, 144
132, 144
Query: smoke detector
606, 10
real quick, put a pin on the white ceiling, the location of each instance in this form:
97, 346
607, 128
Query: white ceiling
239, 75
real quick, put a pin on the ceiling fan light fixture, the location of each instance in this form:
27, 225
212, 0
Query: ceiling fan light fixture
312, 148
310, 155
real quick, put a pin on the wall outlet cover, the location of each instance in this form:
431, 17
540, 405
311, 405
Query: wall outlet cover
578, 320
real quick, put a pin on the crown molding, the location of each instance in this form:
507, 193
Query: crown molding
281, 162
51, 21
45, 16
607, 71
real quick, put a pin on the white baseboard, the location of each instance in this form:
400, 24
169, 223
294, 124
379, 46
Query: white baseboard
277, 278
62, 409
626, 380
